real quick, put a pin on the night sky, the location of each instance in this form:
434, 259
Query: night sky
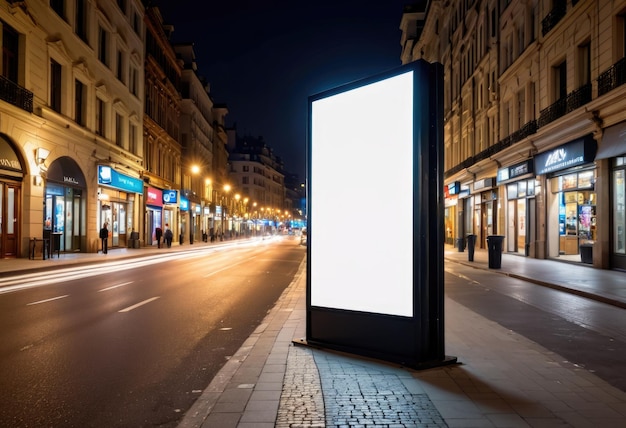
264, 58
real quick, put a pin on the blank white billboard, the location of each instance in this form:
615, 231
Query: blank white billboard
361, 198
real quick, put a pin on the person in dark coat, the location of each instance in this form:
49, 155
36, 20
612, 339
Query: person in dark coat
104, 237
168, 236
158, 233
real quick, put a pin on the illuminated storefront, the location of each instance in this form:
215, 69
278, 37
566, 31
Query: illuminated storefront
118, 197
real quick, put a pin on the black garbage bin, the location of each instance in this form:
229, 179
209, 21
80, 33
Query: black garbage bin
494, 248
471, 244
586, 253
460, 244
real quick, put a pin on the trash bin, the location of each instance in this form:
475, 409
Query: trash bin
460, 244
586, 253
471, 243
494, 247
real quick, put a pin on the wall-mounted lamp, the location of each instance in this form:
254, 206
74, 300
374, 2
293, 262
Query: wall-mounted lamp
41, 155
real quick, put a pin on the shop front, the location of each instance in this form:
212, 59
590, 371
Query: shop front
450, 208
154, 214
570, 199
65, 210
484, 203
613, 151
11, 176
118, 199
170, 205
520, 215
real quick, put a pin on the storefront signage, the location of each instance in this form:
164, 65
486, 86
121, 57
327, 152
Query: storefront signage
184, 204
110, 177
515, 171
8, 158
170, 196
454, 188
487, 183
572, 154
154, 197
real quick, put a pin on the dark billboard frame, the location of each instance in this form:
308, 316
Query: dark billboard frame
415, 340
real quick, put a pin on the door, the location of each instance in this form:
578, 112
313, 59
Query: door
9, 215
511, 226
522, 224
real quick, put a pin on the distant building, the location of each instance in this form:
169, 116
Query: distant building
258, 174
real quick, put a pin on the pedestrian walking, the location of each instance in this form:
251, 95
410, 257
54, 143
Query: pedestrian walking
168, 235
158, 234
104, 237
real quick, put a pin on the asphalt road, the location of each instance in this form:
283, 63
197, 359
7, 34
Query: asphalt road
133, 344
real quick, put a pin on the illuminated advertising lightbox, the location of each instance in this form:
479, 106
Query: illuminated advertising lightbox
363, 151
375, 216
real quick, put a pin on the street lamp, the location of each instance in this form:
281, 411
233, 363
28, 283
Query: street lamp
226, 190
237, 211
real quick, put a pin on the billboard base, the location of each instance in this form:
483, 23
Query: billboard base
383, 359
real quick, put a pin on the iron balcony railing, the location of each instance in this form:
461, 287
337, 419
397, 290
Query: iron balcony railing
613, 77
561, 107
15, 95
553, 17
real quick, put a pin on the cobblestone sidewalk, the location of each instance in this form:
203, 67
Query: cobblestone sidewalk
323, 389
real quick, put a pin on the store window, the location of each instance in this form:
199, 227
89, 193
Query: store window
619, 197
577, 207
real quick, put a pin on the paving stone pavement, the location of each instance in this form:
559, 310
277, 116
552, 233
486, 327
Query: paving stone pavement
301, 401
358, 393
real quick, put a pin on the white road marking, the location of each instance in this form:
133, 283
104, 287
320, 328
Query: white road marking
115, 286
47, 300
228, 267
130, 308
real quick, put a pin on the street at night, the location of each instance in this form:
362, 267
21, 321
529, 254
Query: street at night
133, 342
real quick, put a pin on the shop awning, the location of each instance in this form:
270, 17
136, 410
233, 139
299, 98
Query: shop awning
613, 142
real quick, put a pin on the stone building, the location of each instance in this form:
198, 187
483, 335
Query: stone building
534, 122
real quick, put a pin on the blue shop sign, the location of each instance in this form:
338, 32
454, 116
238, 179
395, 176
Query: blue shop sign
170, 196
184, 204
110, 177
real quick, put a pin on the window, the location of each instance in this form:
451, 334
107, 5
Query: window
619, 215
79, 102
135, 21
99, 117
521, 108
59, 7
119, 130
103, 46
584, 64
120, 66
132, 139
81, 21
134, 81
55, 86
10, 45
560, 81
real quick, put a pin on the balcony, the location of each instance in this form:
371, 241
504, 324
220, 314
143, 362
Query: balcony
553, 18
613, 77
561, 107
16, 95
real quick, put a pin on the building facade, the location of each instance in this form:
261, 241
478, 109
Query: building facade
534, 122
258, 173
164, 206
70, 110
